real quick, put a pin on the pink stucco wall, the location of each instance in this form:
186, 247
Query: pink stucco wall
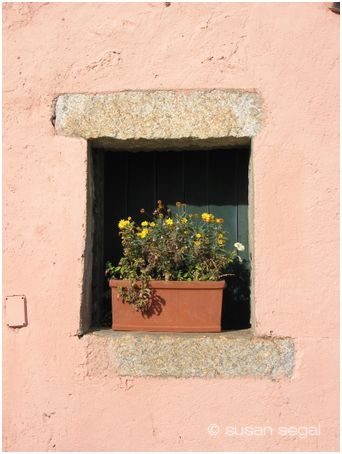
289, 53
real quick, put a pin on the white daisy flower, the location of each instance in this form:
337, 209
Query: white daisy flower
240, 247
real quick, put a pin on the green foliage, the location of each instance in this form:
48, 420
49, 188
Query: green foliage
183, 247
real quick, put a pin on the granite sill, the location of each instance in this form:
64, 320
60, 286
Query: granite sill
183, 355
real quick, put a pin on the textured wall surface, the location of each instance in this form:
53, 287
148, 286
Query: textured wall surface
60, 393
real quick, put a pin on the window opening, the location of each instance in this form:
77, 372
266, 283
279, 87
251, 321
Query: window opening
206, 180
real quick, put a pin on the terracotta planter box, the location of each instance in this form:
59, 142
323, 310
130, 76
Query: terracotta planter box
177, 306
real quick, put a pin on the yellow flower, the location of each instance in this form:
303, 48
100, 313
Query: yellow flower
207, 217
197, 243
184, 220
143, 233
144, 224
142, 210
169, 222
219, 220
152, 224
123, 224
178, 204
198, 235
220, 239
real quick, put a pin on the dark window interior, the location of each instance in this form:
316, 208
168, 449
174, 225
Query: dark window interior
206, 180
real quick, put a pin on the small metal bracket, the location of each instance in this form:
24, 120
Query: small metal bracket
16, 311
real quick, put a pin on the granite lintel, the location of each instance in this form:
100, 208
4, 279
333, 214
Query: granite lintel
219, 355
160, 115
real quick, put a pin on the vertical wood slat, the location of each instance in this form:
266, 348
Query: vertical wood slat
115, 201
170, 180
155, 182
222, 190
195, 181
141, 184
98, 236
242, 207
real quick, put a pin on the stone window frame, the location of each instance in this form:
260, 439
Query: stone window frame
154, 119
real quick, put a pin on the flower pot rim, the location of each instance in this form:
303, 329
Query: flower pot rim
184, 285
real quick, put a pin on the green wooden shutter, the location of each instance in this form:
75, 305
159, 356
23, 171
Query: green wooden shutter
214, 181
211, 180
